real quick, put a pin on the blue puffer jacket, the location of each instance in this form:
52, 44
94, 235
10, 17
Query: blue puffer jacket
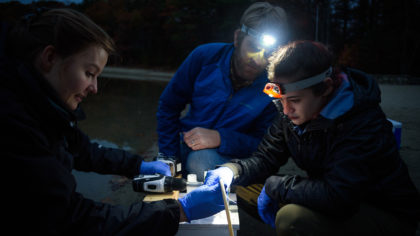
348, 152
203, 81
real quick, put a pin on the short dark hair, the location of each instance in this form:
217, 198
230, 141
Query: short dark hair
68, 30
299, 60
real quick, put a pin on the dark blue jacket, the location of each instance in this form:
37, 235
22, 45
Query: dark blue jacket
349, 154
203, 81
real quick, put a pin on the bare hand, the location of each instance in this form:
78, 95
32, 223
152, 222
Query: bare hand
202, 138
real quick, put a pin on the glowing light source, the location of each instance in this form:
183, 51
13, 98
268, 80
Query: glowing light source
268, 40
264, 39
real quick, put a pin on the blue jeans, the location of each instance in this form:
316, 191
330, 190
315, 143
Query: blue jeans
196, 162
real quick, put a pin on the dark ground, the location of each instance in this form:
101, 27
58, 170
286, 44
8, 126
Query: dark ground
123, 114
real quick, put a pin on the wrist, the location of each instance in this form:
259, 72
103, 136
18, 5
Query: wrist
234, 167
218, 138
182, 216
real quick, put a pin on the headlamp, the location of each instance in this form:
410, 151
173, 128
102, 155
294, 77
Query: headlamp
265, 40
277, 90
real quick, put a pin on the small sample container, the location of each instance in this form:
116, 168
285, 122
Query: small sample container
192, 182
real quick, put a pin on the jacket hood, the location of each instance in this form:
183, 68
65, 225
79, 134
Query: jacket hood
365, 88
341, 102
357, 89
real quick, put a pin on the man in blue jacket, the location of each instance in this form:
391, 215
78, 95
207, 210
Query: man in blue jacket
222, 83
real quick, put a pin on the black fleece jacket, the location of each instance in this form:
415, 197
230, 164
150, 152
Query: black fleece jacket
40, 146
349, 160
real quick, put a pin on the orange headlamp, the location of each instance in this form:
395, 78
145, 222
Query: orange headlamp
277, 90
273, 90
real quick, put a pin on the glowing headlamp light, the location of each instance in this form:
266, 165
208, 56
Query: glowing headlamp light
265, 40
268, 40
277, 90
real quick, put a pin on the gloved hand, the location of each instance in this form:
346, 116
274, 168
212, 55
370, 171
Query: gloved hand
267, 208
202, 202
224, 173
154, 167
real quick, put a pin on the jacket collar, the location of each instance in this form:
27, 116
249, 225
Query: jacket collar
41, 94
319, 123
341, 101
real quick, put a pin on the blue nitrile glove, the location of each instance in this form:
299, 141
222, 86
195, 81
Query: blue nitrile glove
267, 208
202, 202
154, 167
224, 173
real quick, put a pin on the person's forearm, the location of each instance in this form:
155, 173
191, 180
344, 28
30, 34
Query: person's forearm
182, 216
235, 168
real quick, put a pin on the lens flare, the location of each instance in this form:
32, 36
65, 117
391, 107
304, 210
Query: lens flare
268, 40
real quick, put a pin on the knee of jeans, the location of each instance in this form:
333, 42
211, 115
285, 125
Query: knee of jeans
198, 162
287, 219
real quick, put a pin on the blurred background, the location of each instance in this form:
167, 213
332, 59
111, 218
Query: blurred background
377, 36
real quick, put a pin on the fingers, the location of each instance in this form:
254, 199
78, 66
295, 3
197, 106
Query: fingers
192, 142
201, 138
188, 133
211, 180
163, 168
192, 132
193, 139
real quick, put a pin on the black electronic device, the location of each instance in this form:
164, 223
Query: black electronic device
158, 183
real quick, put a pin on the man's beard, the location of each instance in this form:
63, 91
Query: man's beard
239, 68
